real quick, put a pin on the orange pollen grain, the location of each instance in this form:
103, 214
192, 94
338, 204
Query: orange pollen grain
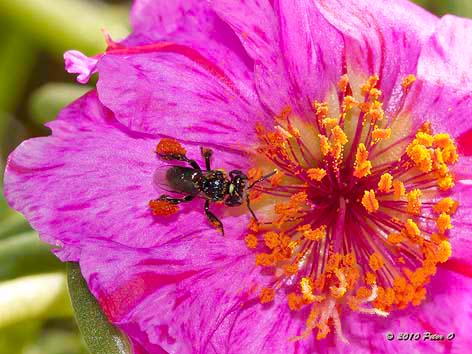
411, 228
370, 84
362, 165
251, 241
444, 251
446, 205
267, 295
370, 202
444, 222
376, 261
408, 81
381, 134
170, 147
339, 136
324, 145
315, 235
398, 189
385, 183
343, 82
271, 239
414, 202
316, 174
163, 207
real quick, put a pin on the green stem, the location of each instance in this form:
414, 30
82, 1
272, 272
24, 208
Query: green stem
61, 24
100, 336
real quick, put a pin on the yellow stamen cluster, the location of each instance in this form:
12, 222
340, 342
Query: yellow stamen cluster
434, 154
398, 189
316, 174
381, 134
408, 81
305, 244
414, 202
370, 202
385, 183
362, 166
313, 235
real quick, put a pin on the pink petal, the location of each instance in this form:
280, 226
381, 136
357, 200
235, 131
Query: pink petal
447, 309
312, 50
446, 58
94, 178
176, 85
78, 63
256, 25
177, 296
446, 107
192, 23
382, 37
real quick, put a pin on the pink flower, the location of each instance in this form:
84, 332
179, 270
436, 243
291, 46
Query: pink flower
364, 109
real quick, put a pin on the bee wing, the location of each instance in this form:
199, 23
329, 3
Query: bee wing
174, 180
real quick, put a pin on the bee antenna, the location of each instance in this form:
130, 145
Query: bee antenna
263, 178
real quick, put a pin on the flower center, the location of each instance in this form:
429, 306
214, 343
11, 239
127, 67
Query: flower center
361, 213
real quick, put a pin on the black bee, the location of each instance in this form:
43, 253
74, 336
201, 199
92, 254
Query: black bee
213, 185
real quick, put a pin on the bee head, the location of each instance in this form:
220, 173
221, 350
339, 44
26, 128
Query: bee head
237, 188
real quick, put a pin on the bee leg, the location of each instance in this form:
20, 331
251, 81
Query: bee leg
250, 209
171, 200
213, 219
207, 154
193, 163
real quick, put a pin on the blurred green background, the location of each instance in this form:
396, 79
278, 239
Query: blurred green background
36, 316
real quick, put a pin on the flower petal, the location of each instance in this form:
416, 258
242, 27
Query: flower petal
255, 23
446, 107
312, 49
177, 295
192, 23
446, 58
175, 84
94, 178
382, 37
78, 63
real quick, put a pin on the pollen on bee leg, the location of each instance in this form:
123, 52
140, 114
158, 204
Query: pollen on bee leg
170, 149
161, 207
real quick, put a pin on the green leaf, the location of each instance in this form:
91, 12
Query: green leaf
60, 24
46, 102
33, 297
25, 254
100, 336
12, 223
